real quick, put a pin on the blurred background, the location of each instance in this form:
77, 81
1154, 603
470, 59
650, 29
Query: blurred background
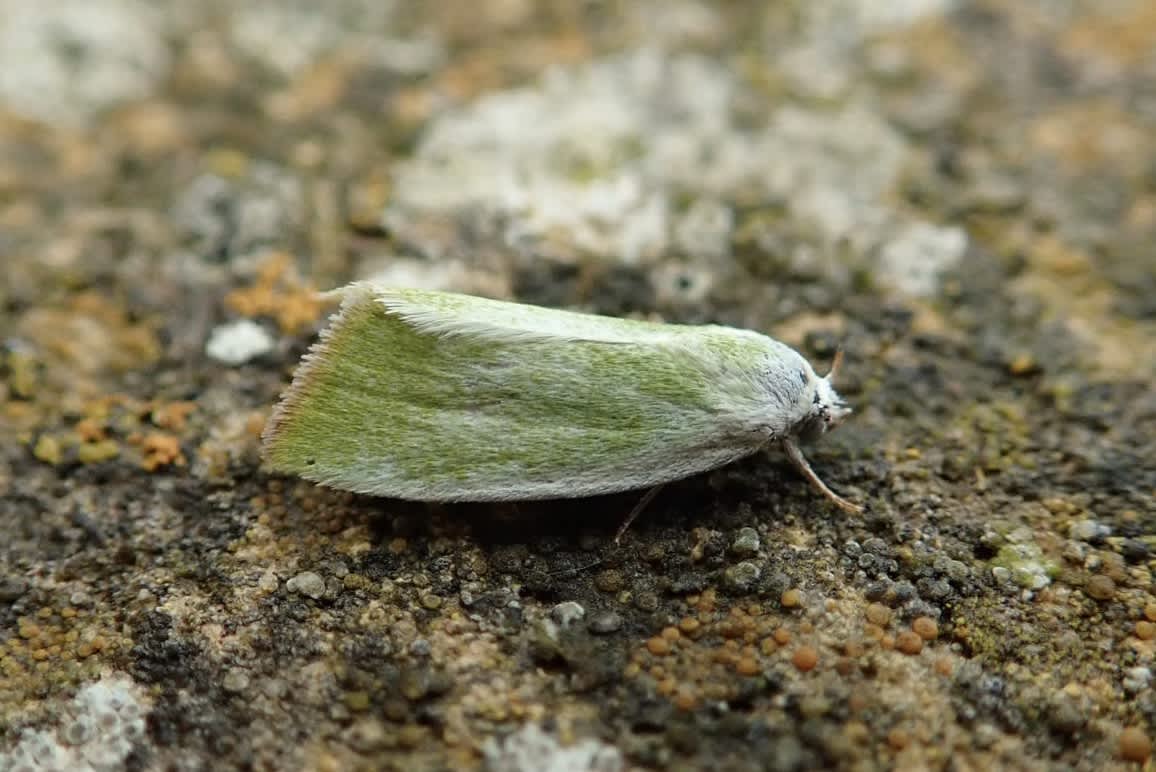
962, 194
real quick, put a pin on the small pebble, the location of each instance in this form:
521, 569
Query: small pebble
1088, 530
236, 680
741, 577
1065, 717
1135, 745
908, 642
11, 588
904, 591
307, 583
746, 543
237, 342
1100, 587
1136, 679
567, 613
367, 735
1150, 612
605, 622
805, 658
610, 580
1134, 550
1145, 630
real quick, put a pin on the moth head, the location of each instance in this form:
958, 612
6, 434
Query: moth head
827, 409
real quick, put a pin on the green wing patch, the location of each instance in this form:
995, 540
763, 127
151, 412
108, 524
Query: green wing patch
432, 396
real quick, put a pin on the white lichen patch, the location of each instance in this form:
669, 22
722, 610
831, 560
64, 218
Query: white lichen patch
646, 156
289, 37
1023, 562
532, 750
918, 256
97, 730
238, 342
582, 154
62, 62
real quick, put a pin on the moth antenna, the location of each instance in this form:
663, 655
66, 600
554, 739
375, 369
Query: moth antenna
836, 364
795, 454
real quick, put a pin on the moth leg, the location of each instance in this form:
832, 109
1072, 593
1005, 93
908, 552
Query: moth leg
641, 505
795, 454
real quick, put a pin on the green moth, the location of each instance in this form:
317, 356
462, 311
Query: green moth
435, 396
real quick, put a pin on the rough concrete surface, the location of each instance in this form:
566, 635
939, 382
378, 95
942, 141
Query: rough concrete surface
961, 194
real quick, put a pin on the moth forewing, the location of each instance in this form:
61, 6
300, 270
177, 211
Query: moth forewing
425, 410
441, 397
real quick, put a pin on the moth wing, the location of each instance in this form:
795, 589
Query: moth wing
438, 397
446, 314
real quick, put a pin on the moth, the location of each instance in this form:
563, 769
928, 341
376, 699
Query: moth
435, 396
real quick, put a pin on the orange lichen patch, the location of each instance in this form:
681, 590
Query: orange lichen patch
55, 640
1123, 33
1090, 134
88, 336
173, 416
91, 430
159, 450
279, 293
1063, 278
318, 89
474, 73
150, 128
